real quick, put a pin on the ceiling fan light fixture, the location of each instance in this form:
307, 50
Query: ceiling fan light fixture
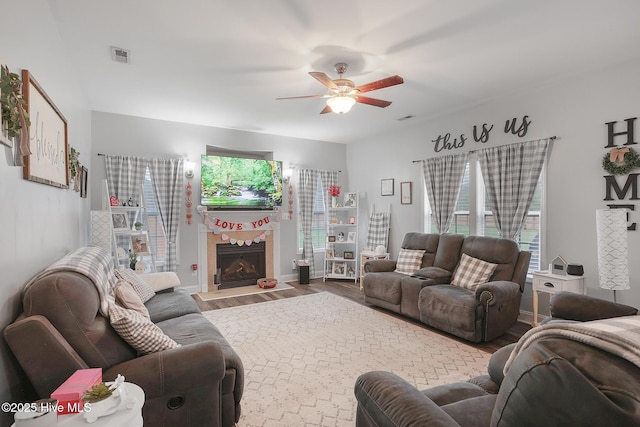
341, 104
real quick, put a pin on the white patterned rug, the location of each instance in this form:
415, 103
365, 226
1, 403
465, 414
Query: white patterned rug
302, 356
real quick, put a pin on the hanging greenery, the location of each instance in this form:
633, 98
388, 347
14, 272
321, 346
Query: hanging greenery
14, 115
74, 164
620, 161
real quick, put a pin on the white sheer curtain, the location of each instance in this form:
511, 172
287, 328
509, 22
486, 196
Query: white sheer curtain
443, 178
511, 174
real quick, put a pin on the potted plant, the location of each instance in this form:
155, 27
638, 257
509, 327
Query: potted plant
133, 259
138, 225
14, 115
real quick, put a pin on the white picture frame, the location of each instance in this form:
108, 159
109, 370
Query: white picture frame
350, 200
339, 269
120, 221
330, 254
139, 244
351, 237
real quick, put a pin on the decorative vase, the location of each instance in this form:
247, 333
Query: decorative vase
334, 202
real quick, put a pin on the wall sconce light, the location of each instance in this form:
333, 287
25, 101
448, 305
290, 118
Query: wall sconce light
287, 174
189, 166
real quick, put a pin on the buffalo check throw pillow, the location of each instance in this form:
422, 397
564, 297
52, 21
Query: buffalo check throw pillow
141, 287
138, 331
409, 261
471, 272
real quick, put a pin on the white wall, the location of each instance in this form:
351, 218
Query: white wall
125, 135
576, 110
40, 223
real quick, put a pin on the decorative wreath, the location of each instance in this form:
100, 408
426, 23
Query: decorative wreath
628, 156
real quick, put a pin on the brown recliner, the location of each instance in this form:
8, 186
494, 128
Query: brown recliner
555, 381
493, 307
61, 330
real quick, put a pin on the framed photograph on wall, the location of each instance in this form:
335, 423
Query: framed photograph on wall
386, 187
139, 244
405, 193
84, 181
120, 221
48, 161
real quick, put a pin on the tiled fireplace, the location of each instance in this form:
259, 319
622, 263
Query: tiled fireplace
238, 265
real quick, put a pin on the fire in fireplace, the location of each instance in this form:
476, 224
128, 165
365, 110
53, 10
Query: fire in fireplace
240, 265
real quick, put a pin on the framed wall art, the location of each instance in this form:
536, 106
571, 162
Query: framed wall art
48, 144
405, 193
386, 187
339, 269
84, 181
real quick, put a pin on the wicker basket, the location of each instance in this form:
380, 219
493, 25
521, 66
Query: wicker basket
267, 283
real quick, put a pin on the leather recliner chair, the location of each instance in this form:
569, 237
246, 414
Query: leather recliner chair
556, 381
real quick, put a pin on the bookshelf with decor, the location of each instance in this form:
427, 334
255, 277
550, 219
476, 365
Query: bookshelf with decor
340, 260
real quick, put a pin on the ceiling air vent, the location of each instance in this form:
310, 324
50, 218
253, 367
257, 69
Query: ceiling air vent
120, 55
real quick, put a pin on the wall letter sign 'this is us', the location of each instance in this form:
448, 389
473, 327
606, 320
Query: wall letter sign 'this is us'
480, 134
631, 183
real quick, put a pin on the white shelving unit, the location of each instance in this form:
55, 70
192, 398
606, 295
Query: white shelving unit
342, 237
126, 238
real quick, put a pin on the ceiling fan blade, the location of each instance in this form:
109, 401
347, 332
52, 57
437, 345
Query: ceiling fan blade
372, 101
379, 84
324, 79
302, 97
326, 110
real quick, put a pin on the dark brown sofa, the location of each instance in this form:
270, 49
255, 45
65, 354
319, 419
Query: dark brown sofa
555, 381
61, 330
427, 295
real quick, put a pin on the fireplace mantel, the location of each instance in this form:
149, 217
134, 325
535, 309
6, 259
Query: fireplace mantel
207, 241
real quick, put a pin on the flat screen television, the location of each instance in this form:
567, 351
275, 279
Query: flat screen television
240, 183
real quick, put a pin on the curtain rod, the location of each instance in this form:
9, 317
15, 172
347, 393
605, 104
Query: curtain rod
146, 158
473, 151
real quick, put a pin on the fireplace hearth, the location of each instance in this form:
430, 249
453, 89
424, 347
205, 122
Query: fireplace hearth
240, 265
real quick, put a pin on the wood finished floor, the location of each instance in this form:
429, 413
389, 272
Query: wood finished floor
350, 290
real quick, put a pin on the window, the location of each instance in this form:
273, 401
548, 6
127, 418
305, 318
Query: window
157, 238
318, 224
474, 217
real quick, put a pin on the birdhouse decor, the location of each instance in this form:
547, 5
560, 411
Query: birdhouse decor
558, 266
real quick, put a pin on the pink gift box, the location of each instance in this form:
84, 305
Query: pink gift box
69, 394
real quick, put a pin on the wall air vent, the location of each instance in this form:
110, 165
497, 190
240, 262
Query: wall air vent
120, 55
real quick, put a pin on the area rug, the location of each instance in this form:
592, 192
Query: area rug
240, 291
302, 356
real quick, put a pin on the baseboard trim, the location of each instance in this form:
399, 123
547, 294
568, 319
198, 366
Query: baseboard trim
527, 317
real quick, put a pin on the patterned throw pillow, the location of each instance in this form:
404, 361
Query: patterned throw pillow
138, 331
128, 298
141, 287
409, 261
471, 272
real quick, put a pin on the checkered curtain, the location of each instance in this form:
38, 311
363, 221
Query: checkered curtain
378, 229
125, 176
511, 174
443, 178
307, 184
167, 180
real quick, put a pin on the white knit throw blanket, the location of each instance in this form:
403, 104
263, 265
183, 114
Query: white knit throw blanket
91, 261
618, 335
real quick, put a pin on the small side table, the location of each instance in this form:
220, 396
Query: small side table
544, 281
367, 256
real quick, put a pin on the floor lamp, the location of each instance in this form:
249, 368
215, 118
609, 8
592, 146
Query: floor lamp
613, 258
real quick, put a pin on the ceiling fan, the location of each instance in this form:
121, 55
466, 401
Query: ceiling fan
343, 93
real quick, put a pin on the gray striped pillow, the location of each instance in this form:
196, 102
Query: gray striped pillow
138, 331
472, 272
